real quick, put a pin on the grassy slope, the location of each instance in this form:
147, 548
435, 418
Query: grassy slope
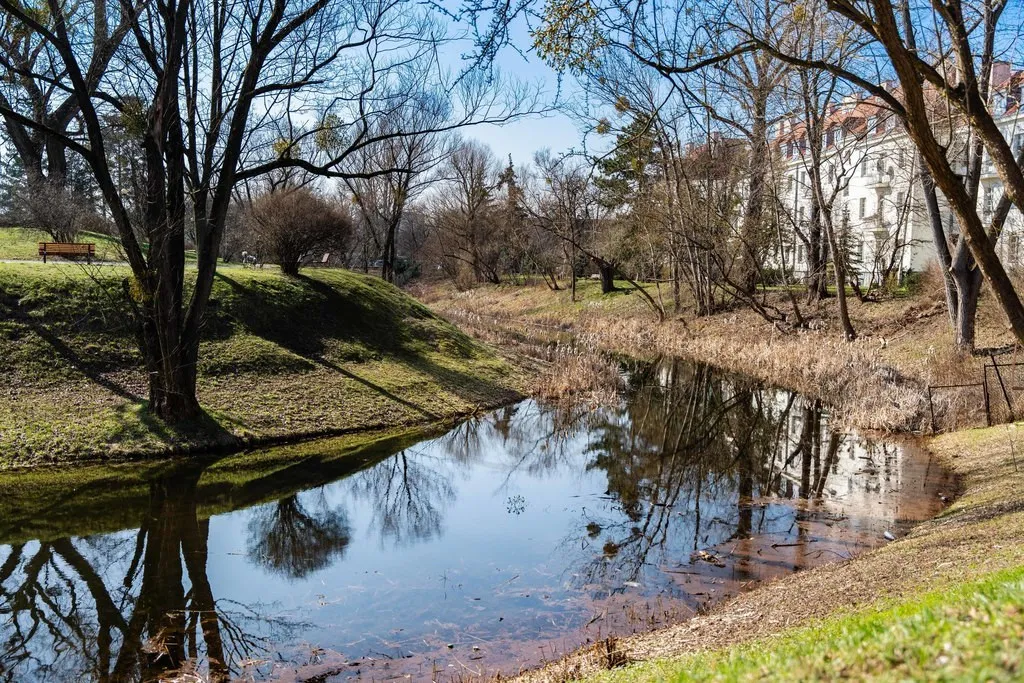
971, 632
23, 244
889, 612
329, 352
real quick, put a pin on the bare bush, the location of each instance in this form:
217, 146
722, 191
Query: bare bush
57, 210
289, 227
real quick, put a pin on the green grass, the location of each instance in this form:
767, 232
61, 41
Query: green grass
23, 244
972, 632
327, 352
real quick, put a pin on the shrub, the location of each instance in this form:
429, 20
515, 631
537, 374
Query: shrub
290, 226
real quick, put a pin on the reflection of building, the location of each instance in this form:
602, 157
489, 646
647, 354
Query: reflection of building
869, 170
842, 469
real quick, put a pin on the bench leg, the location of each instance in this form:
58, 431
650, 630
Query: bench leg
44, 257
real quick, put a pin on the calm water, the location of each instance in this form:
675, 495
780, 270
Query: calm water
511, 538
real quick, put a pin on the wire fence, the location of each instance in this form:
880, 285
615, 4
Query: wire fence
995, 399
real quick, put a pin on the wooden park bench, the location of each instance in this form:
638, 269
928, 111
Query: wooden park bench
86, 249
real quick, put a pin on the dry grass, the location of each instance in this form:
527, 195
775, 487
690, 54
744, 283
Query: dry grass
877, 382
579, 375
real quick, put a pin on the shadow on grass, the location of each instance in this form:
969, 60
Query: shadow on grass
302, 314
135, 421
374, 316
323, 362
83, 365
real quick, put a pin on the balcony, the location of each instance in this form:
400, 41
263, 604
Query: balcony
880, 180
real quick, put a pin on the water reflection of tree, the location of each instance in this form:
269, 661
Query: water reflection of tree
408, 493
129, 607
289, 540
691, 445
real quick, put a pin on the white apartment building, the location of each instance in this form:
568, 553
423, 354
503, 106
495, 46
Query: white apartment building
870, 175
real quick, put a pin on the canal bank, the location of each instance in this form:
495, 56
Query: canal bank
931, 589
282, 359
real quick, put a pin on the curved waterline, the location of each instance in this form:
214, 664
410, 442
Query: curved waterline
513, 536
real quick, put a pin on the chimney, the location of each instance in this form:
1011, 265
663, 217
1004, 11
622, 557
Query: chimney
1000, 75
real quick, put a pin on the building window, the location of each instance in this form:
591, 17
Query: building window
900, 198
789, 184
801, 253
862, 207
902, 158
1013, 248
846, 190
986, 200
864, 168
801, 213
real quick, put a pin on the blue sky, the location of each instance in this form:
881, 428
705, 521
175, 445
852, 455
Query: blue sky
522, 138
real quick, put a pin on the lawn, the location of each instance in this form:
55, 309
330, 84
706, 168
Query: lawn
23, 244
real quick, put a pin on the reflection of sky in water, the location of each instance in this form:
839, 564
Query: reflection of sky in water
513, 526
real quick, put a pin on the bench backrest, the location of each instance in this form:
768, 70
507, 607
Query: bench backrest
67, 248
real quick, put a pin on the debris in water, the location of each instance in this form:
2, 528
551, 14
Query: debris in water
707, 557
631, 584
888, 536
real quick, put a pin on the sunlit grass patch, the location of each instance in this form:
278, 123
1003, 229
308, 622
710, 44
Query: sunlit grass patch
972, 632
23, 244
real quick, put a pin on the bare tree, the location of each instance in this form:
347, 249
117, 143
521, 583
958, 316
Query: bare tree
197, 87
953, 71
391, 174
464, 213
37, 107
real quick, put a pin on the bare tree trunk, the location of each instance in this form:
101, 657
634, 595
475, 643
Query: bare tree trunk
387, 268
753, 213
607, 273
839, 265
817, 254
942, 253
933, 154
677, 299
